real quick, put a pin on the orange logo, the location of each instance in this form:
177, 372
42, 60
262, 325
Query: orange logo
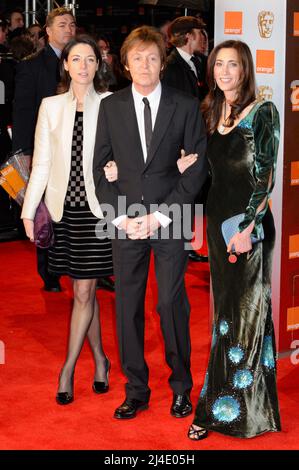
294, 173
295, 95
296, 23
293, 318
265, 61
233, 22
293, 246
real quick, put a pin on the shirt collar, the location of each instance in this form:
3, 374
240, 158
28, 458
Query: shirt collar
90, 92
57, 51
184, 54
153, 96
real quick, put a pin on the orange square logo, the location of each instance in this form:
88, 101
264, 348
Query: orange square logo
293, 246
296, 23
233, 22
294, 173
265, 61
293, 319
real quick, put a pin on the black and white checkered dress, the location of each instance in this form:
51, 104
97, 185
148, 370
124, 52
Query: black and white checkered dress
81, 249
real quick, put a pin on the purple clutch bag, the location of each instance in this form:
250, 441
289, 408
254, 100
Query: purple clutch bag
43, 228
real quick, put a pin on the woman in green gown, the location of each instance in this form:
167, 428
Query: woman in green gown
239, 396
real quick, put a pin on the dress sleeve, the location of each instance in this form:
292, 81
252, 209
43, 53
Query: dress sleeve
266, 136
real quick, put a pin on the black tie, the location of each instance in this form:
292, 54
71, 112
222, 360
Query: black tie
197, 62
148, 129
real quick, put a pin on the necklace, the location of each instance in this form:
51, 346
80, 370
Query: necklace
222, 128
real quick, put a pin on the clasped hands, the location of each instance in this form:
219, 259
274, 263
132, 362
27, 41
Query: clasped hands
140, 228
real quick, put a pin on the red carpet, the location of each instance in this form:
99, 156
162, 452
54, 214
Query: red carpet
34, 327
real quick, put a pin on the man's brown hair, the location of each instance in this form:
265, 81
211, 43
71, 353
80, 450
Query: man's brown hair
145, 35
58, 12
181, 26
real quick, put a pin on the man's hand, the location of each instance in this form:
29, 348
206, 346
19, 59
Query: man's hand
186, 160
111, 171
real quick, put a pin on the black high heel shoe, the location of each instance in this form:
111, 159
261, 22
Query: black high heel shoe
103, 387
65, 398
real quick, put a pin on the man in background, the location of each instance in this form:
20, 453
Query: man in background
186, 71
16, 19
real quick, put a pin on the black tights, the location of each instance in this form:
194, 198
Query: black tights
85, 320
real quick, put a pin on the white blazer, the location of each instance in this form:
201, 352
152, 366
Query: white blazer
53, 149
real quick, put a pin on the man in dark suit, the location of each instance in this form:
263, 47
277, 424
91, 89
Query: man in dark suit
37, 77
144, 128
186, 69
186, 64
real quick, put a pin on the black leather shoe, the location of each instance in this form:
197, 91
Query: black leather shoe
106, 283
103, 387
129, 408
193, 256
181, 406
52, 287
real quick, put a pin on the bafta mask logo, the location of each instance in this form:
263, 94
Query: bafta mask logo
295, 95
265, 92
265, 23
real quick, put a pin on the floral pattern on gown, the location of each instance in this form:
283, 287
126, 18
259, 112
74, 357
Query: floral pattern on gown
239, 396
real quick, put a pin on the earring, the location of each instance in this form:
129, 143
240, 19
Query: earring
215, 85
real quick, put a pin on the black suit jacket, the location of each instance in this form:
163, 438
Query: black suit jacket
178, 74
179, 125
36, 78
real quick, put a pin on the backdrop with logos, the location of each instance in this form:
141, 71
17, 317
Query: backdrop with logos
271, 29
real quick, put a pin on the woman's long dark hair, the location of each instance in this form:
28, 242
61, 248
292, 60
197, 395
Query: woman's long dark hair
246, 93
65, 81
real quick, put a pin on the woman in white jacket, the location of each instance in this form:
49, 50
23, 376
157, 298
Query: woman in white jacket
62, 172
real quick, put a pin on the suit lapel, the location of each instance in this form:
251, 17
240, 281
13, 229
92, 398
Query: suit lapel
90, 119
69, 112
182, 62
165, 112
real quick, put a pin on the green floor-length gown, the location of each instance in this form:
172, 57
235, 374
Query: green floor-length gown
239, 396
